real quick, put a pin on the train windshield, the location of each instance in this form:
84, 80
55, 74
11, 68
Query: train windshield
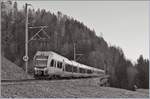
41, 57
41, 61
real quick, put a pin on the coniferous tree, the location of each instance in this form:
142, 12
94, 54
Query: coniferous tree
143, 72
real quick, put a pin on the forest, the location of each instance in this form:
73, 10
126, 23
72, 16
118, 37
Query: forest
64, 32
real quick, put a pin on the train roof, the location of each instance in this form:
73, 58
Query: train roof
86, 67
81, 65
75, 63
100, 70
53, 55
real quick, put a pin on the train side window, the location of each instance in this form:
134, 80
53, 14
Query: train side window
52, 63
68, 68
75, 69
81, 70
89, 71
92, 71
59, 64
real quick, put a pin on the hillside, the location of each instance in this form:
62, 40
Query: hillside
10, 71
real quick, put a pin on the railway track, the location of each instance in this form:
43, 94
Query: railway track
18, 82
22, 80
33, 81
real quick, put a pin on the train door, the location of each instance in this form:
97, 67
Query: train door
59, 68
52, 66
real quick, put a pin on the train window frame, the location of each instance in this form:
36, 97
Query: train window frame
55, 64
63, 66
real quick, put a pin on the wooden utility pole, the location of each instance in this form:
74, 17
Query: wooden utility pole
26, 58
105, 67
26, 39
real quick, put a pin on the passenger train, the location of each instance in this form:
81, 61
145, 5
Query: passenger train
50, 64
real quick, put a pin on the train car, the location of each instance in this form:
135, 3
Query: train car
98, 72
48, 63
75, 68
68, 69
40, 64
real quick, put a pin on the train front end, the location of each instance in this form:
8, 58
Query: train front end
40, 65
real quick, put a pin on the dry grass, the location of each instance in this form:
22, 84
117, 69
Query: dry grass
11, 71
81, 88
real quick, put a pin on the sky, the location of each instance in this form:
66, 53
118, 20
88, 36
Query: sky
121, 23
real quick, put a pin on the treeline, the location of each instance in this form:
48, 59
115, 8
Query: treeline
64, 31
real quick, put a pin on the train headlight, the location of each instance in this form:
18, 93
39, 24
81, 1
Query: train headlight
35, 68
